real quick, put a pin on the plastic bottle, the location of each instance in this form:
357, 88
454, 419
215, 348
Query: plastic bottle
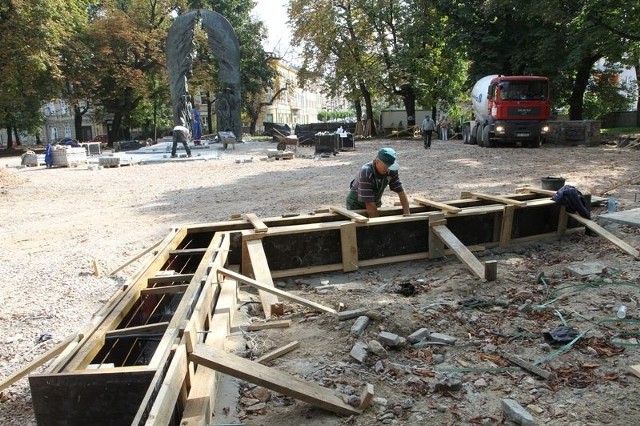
622, 312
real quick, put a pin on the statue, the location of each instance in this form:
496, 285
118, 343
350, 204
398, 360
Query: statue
224, 45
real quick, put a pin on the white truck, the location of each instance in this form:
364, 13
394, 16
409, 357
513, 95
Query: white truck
508, 110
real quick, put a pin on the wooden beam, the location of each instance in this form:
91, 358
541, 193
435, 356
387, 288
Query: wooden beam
269, 325
275, 380
140, 329
533, 190
188, 251
562, 221
270, 356
366, 397
165, 402
261, 272
436, 246
606, 234
51, 353
300, 300
136, 257
165, 279
461, 252
167, 289
507, 226
350, 214
526, 365
495, 198
258, 225
349, 246
442, 206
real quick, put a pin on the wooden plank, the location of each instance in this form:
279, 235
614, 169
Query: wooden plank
350, 214
297, 299
349, 246
436, 246
200, 403
170, 279
533, 190
258, 225
269, 325
261, 272
562, 221
165, 402
526, 365
228, 297
193, 251
140, 329
277, 353
275, 380
136, 257
442, 206
51, 353
606, 234
495, 198
507, 226
366, 397
167, 289
459, 249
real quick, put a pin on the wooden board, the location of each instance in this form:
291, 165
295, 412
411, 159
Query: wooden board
460, 251
604, 233
442, 206
261, 272
300, 300
276, 353
497, 199
349, 247
350, 214
258, 225
275, 380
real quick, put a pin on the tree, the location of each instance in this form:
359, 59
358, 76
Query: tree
31, 35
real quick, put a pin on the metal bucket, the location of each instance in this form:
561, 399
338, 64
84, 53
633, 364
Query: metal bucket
552, 183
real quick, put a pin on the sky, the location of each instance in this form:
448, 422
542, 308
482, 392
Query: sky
274, 14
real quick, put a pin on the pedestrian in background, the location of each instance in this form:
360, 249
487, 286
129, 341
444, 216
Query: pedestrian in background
428, 126
444, 129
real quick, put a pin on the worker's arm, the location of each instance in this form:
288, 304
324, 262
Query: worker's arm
404, 200
372, 210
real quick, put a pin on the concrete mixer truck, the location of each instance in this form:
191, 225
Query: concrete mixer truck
508, 110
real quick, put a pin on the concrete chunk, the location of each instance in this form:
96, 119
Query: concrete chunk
345, 315
416, 336
389, 339
516, 413
442, 338
358, 327
585, 269
359, 352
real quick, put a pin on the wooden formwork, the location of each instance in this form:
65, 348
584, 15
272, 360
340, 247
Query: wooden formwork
150, 356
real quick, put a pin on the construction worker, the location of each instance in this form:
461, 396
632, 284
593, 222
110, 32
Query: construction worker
372, 179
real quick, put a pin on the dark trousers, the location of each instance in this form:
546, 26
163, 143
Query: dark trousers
175, 147
427, 138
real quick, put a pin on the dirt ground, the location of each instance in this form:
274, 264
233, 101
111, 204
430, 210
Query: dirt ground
56, 222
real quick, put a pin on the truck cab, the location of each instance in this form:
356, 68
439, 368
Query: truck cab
509, 110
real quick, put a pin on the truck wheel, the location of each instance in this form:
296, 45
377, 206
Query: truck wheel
486, 139
479, 135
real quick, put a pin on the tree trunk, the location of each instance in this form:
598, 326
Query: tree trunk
77, 123
576, 100
369, 108
409, 101
358, 107
15, 132
9, 137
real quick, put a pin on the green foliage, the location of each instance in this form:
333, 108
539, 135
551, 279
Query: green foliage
606, 94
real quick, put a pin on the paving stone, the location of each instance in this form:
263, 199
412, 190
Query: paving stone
418, 335
389, 339
443, 338
358, 327
377, 348
583, 269
516, 413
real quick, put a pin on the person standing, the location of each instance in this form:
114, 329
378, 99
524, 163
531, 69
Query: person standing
180, 134
48, 155
196, 124
367, 188
428, 126
444, 129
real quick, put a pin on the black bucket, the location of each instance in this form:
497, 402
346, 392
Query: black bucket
552, 183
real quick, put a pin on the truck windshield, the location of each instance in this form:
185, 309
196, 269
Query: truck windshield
523, 90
